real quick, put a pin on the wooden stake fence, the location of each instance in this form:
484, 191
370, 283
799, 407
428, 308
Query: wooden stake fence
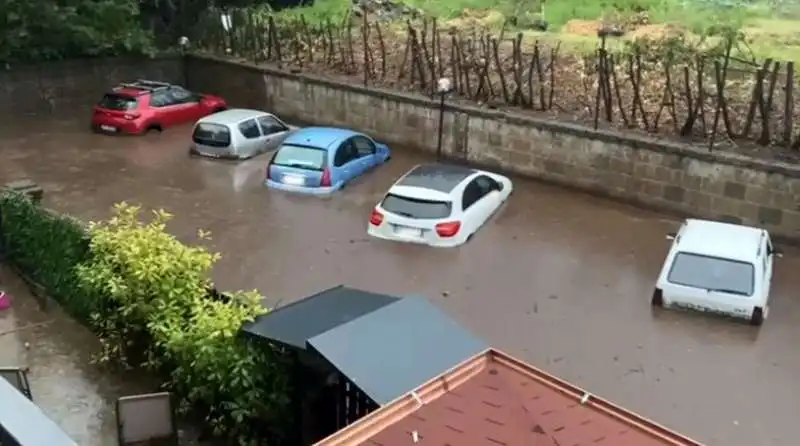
699, 97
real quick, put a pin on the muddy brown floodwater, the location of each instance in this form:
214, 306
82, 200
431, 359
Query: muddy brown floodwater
57, 352
561, 279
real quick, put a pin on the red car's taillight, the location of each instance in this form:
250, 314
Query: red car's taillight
325, 181
132, 116
376, 218
448, 229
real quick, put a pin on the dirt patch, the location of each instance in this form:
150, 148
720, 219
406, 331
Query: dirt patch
633, 28
582, 27
658, 31
476, 18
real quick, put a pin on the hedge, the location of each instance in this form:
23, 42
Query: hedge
45, 247
146, 296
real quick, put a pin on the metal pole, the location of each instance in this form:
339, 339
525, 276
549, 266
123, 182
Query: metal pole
184, 67
2, 233
441, 128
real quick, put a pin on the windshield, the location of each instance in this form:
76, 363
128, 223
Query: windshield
712, 273
214, 135
416, 208
300, 157
118, 102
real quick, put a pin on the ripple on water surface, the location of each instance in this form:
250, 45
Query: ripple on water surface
57, 351
557, 278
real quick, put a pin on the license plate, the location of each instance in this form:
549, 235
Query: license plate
736, 312
210, 155
108, 128
408, 232
295, 180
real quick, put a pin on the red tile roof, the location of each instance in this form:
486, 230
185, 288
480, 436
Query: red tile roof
496, 400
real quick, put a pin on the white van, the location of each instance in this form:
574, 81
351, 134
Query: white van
720, 268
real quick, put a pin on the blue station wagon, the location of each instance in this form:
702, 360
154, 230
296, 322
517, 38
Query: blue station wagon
321, 160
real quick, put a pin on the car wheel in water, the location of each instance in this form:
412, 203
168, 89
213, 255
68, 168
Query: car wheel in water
757, 318
152, 129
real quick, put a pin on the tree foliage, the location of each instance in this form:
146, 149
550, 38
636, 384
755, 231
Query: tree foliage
37, 30
43, 30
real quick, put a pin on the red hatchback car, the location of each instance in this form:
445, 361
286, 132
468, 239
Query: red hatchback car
139, 107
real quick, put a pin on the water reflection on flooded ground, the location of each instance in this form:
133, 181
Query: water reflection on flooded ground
560, 279
57, 353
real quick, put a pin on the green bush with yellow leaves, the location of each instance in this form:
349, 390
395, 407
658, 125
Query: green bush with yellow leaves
152, 308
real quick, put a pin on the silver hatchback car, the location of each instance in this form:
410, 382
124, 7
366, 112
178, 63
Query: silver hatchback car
238, 134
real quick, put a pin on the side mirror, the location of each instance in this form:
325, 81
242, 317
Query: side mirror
499, 187
671, 235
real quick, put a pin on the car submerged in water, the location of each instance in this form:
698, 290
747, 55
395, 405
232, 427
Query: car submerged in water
238, 134
439, 205
322, 160
136, 108
720, 268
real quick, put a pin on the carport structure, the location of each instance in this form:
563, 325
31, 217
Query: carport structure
354, 351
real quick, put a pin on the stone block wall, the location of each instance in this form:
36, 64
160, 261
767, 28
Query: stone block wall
62, 87
638, 169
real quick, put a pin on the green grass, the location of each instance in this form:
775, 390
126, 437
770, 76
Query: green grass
451, 9
773, 32
320, 12
775, 38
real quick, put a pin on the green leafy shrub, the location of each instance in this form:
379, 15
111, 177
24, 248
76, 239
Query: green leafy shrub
161, 286
37, 30
146, 295
47, 248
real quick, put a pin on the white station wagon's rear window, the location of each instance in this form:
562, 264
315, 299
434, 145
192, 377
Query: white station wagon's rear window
416, 208
209, 134
712, 273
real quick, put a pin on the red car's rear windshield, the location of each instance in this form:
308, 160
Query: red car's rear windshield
119, 102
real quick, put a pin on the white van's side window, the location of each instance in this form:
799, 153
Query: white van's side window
249, 129
270, 125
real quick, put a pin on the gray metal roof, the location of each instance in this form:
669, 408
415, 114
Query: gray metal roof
397, 348
299, 321
233, 116
26, 422
439, 177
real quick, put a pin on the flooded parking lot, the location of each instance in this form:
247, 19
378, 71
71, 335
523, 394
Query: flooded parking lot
57, 354
563, 280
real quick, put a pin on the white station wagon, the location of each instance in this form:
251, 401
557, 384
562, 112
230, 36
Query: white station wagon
438, 205
719, 268
238, 134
